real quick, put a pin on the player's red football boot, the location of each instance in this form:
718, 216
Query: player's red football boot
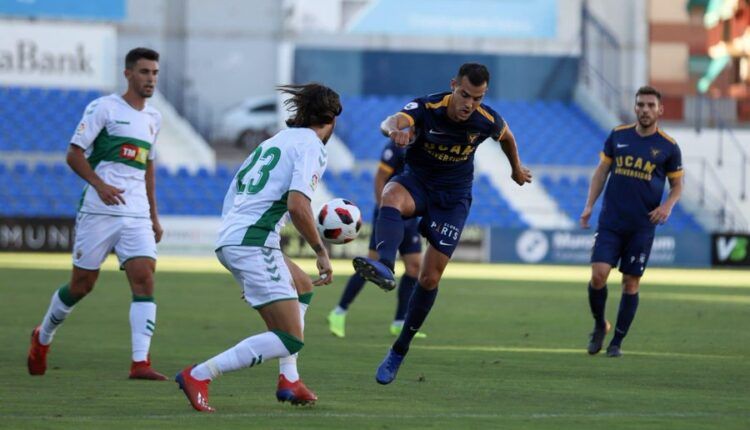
143, 370
196, 391
37, 360
294, 392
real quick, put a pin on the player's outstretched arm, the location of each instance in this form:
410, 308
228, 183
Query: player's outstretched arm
595, 189
151, 194
304, 221
661, 214
520, 174
77, 161
397, 128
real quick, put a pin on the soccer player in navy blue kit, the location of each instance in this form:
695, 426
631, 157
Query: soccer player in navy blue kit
638, 158
392, 161
446, 129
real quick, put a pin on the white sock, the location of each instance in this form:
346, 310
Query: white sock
399, 323
339, 310
142, 325
251, 351
56, 314
288, 365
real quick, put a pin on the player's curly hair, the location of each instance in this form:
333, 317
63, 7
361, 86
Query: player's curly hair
312, 104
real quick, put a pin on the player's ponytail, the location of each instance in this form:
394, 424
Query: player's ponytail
311, 104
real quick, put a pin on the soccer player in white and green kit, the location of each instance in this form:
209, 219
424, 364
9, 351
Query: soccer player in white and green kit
279, 177
112, 150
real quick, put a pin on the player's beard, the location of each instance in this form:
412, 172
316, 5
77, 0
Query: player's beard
146, 92
645, 122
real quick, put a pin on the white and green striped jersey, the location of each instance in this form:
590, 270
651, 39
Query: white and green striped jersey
118, 141
255, 204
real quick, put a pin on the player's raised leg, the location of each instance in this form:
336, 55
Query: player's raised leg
597, 292
397, 203
63, 300
420, 304
140, 273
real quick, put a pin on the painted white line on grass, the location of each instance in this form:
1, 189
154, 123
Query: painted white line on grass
579, 351
456, 270
312, 412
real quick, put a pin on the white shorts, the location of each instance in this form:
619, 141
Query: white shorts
98, 235
261, 272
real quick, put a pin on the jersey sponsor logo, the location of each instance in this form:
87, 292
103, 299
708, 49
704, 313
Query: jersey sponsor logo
634, 167
117, 121
133, 153
410, 106
655, 152
452, 153
437, 132
387, 154
622, 145
314, 181
473, 137
128, 151
446, 243
81, 128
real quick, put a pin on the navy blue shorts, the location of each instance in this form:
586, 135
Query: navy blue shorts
443, 213
411, 243
631, 249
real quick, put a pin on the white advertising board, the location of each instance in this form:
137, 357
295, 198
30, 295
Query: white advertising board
60, 55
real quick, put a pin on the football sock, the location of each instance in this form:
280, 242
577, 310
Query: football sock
60, 306
353, 287
142, 325
405, 288
419, 306
389, 228
288, 365
597, 303
249, 352
625, 315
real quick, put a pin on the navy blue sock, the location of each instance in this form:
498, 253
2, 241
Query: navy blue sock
353, 287
405, 289
628, 306
389, 230
597, 303
419, 306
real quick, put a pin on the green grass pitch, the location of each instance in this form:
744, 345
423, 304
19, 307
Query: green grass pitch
499, 354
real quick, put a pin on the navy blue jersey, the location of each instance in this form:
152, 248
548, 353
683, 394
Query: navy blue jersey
392, 159
442, 155
639, 168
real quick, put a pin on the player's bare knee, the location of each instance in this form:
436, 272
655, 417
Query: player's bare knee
598, 280
631, 285
411, 269
429, 281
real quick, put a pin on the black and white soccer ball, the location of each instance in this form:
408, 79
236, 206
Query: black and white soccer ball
339, 221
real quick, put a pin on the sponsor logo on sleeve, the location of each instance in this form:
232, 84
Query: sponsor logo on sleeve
410, 106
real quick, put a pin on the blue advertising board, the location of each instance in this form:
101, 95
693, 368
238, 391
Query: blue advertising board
687, 249
99, 10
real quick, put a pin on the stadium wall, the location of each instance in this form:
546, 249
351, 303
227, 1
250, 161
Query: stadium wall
381, 72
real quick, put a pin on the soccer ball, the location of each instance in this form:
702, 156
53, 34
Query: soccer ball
339, 221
